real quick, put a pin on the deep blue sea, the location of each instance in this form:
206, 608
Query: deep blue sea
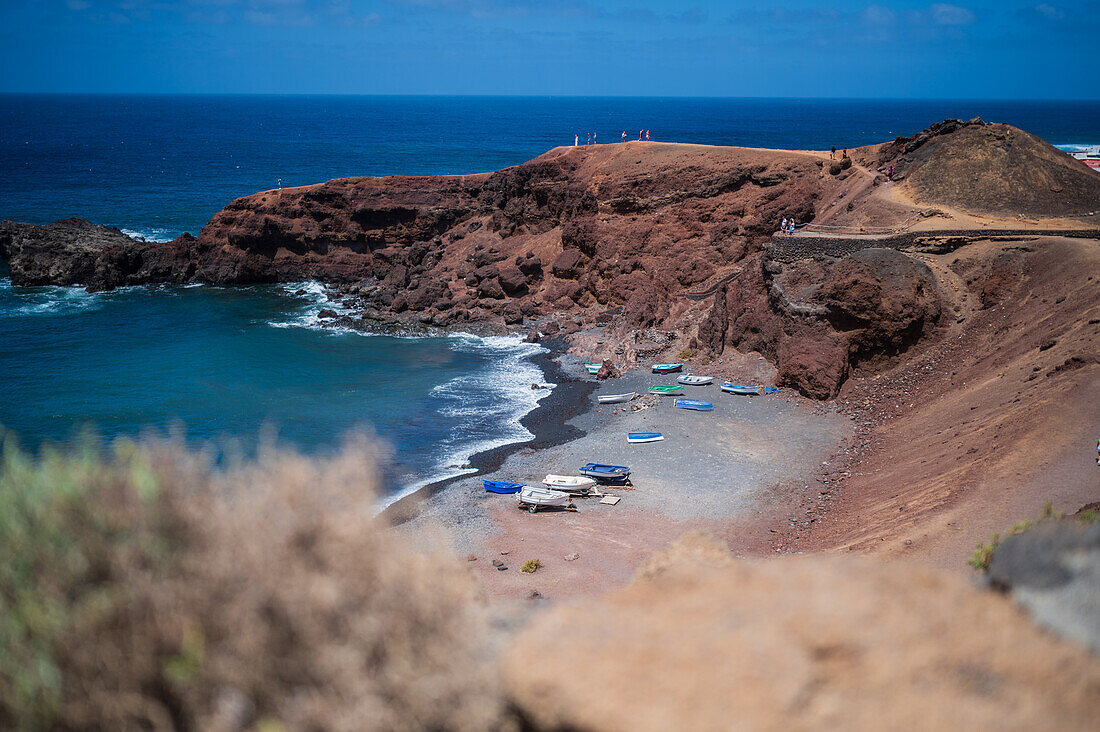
228, 363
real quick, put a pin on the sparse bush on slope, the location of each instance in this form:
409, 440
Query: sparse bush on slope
145, 588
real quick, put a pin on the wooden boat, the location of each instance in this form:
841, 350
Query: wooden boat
593, 368
741, 389
635, 438
569, 483
605, 472
667, 368
695, 404
693, 380
616, 398
666, 390
534, 498
500, 486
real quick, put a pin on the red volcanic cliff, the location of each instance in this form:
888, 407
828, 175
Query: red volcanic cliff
664, 245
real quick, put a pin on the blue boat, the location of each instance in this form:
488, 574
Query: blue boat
667, 368
741, 389
639, 437
694, 404
605, 472
500, 486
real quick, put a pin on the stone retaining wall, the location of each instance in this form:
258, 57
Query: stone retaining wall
792, 248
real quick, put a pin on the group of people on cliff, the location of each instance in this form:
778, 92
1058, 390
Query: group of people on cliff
592, 138
787, 227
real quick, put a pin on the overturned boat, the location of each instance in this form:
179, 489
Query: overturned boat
616, 398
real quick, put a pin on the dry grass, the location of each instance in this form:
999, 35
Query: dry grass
146, 588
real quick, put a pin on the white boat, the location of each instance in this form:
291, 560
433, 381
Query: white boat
534, 497
569, 483
616, 398
693, 380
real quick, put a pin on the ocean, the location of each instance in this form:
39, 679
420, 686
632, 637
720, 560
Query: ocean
230, 364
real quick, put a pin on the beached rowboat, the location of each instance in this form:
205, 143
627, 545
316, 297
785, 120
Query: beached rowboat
694, 404
666, 390
533, 498
693, 380
605, 472
593, 368
616, 398
741, 389
666, 368
639, 437
500, 486
569, 483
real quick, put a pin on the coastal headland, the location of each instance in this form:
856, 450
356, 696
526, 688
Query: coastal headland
933, 326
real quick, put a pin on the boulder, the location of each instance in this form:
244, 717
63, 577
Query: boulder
607, 371
513, 281
568, 265
490, 289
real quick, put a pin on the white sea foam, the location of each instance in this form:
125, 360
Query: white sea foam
496, 398
47, 300
314, 297
161, 236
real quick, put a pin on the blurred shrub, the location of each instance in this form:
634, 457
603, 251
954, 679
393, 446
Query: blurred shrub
142, 587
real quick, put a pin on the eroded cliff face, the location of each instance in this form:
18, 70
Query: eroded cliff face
819, 319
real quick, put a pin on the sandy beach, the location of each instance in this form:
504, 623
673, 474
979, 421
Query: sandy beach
731, 472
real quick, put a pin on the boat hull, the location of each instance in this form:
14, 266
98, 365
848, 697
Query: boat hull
743, 390
692, 380
538, 497
616, 398
666, 391
605, 472
667, 368
636, 438
694, 405
500, 486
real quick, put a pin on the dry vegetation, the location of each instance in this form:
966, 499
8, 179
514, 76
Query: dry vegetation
142, 587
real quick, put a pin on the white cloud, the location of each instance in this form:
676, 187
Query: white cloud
944, 14
1051, 12
878, 15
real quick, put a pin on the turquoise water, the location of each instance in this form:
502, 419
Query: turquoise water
231, 363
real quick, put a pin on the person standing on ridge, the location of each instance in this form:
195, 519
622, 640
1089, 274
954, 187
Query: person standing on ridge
783, 226
594, 139
647, 135
576, 140
589, 140
832, 153
624, 135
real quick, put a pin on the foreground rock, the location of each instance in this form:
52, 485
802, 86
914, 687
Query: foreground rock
700, 641
1054, 571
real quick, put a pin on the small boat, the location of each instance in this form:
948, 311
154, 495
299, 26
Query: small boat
693, 380
569, 483
635, 438
741, 389
605, 472
667, 368
616, 398
533, 498
694, 404
666, 390
593, 368
500, 486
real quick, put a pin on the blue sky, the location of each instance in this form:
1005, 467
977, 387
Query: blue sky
1009, 49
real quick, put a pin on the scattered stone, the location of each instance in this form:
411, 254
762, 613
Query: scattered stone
534, 595
1046, 345
572, 557
502, 568
471, 558
505, 552
327, 313
497, 563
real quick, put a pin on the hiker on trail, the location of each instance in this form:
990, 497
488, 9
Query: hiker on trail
783, 226
589, 139
647, 135
624, 135
890, 173
791, 225
576, 140
832, 153
1098, 452
845, 152
594, 139
640, 135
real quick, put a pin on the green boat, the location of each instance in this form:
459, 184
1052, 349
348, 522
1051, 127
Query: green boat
661, 389
593, 368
